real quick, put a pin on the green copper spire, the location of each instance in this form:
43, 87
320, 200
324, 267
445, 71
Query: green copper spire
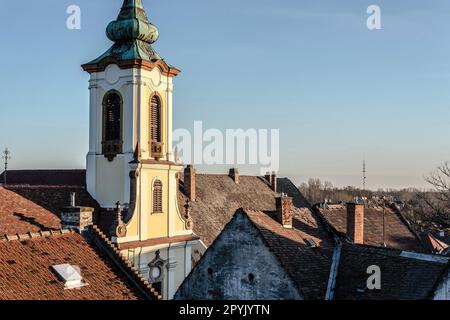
133, 36
132, 24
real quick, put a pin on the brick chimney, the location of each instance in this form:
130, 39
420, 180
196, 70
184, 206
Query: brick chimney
189, 182
284, 211
355, 222
74, 217
234, 174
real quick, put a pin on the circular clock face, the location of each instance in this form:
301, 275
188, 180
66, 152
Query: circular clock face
156, 272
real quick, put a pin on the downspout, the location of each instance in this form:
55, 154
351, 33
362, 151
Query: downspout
334, 268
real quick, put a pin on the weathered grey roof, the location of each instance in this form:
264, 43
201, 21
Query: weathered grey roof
397, 233
308, 266
218, 198
402, 276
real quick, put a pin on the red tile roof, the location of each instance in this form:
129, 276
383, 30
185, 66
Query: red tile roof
26, 270
397, 232
33, 208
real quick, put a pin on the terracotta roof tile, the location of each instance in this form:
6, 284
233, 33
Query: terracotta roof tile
26, 270
33, 208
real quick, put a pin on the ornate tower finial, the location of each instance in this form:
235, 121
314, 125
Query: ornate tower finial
187, 215
132, 24
119, 228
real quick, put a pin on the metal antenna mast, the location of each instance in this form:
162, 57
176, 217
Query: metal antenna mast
6, 156
364, 175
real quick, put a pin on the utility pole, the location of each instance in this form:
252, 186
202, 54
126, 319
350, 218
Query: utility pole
364, 175
6, 156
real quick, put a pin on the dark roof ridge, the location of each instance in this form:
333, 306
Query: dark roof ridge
388, 251
35, 235
45, 170
41, 186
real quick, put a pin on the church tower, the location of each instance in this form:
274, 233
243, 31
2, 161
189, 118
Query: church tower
130, 166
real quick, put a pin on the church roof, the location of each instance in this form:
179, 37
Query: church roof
133, 36
218, 198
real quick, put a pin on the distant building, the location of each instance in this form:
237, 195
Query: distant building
371, 224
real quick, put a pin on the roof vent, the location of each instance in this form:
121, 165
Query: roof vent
70, 275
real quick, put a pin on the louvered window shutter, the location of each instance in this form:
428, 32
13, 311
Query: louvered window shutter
112, 117
155, 120
157, 197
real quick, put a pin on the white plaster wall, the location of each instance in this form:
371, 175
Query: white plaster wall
135, 87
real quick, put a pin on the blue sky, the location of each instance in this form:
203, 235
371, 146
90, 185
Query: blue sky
338, 91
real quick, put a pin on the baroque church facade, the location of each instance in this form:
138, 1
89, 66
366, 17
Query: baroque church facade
130, 165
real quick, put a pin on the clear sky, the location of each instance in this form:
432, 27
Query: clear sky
337, 91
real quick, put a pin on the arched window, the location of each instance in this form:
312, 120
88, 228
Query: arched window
157, 196
112, 125
155, 135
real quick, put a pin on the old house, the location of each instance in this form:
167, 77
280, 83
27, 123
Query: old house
261, 255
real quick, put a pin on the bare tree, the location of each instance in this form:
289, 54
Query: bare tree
440, 180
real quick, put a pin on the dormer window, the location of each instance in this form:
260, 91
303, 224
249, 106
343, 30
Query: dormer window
112, 125
155, 134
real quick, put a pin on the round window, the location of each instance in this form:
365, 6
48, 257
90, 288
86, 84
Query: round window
156, 272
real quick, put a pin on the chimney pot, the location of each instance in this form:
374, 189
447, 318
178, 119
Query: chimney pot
284, 211
80, 218
189, 182
355, 222
272, 180
234, 174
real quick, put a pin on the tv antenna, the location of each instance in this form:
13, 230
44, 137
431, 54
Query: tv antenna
6, 156
364, 174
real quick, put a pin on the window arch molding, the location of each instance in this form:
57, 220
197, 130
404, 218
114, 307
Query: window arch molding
112, 124
157, 196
